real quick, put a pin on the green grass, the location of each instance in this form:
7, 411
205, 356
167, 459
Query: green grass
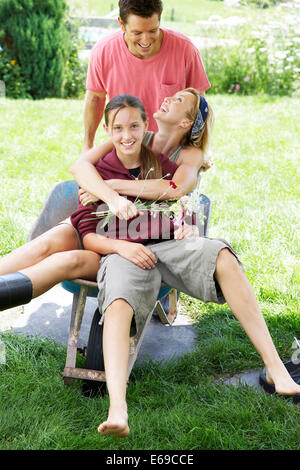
253, 187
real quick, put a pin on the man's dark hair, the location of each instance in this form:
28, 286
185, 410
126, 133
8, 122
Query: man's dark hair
143, 8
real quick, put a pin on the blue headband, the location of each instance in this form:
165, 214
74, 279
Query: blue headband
201, 117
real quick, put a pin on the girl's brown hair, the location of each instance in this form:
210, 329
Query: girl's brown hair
150, 165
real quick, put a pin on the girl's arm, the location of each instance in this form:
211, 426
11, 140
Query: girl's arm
134, 252
185, 178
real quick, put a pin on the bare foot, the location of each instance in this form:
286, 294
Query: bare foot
283, 382
116, 424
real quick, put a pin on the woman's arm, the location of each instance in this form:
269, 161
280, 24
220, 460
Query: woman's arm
89, 179
134, 252
87, 176
185, 178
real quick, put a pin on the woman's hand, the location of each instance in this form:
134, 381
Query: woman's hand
186, 231
207, 165
137, 254
86, 198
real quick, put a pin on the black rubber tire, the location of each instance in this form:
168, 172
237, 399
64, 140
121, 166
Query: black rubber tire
294, 371
94, 358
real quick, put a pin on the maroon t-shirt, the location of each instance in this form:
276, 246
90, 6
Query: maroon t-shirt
146, 228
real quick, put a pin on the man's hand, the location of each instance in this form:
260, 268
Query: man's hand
137, 254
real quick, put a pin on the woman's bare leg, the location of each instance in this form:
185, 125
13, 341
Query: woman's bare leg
65, 265
243, 304
62, 237
48, 259
116, 354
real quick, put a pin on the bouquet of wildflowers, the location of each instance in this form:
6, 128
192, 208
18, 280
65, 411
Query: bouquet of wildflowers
176, 209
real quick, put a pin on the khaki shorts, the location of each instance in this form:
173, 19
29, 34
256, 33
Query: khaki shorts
188, 265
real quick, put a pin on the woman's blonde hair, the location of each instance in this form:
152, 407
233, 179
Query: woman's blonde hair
200, 141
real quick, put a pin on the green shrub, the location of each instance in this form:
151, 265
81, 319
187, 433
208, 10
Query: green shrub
75, 70
35, 33
16, 85
264, 61
262, 3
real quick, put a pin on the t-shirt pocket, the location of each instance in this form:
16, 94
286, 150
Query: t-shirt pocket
167, 90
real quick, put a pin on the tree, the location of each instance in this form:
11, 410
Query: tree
35, 32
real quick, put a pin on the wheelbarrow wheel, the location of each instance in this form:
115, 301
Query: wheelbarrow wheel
94, 358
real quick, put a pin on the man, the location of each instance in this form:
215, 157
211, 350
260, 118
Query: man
141, 59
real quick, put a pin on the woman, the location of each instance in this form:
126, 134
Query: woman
35, 267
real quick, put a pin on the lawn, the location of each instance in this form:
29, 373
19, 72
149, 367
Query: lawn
253, 188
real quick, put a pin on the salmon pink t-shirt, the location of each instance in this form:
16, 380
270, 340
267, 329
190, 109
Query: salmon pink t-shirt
177, 65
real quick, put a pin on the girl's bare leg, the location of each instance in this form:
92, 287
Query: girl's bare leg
116, 354
243, 304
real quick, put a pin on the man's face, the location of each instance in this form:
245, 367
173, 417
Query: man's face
142, 35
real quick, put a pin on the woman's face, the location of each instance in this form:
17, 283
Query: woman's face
126, 129
175, 109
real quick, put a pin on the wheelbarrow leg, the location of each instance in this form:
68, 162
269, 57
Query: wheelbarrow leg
75, 325
135, 344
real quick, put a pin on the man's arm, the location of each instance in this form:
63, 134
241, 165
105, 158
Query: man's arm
93, 112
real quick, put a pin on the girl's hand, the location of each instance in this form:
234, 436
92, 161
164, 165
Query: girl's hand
137, 254
86, 198
186, 231
123, 208
119, 206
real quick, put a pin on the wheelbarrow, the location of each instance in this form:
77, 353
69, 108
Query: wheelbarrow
61, 202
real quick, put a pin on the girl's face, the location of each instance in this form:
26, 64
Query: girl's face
174, 109
126, 129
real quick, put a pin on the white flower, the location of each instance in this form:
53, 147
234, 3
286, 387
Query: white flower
280, 54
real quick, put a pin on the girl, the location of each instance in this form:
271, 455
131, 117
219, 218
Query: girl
35, 267
207, 269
